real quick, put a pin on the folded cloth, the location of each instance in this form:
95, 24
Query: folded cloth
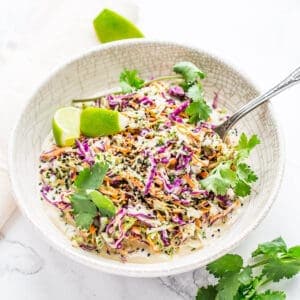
7, 203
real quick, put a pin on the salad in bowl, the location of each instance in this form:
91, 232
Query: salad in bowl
139, 173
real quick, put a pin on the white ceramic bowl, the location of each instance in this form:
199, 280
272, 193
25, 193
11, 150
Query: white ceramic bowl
99, 69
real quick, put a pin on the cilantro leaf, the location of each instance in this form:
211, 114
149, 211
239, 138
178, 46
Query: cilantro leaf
84, 210
208, 293
215, 184
189, 71
242, 189
228, 175
270, 295
84, 220
245, 173
228, 286
130, 81
245, 146
294, 252
227, 269
278, 268
271, 248
245, 277
195, 92
91, 178
104, 204
223, 177
198, 111
226, 263
220, 179
278, 261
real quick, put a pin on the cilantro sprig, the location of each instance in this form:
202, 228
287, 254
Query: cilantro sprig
234, 173
130, 81
87, 202
198, 110
273, 261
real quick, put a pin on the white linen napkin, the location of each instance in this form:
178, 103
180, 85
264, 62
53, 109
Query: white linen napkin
7, 203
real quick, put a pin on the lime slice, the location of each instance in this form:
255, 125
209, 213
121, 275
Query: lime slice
96, 121
110, 26
66, 126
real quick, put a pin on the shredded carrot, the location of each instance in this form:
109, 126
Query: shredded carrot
198, 223
92, 229
189, 181
204, 174
55, 152
172, 163
160, 217
110, 191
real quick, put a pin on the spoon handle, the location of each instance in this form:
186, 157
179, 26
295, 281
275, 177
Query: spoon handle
289, 81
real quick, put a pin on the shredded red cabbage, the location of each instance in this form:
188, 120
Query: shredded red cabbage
200, 192
207, 125
112, 102
215, 101
144, 132
100, 145
226, 202
176, 91
170, 101
119, 216
174, 116
164, 160
178, 220
183, 160
85, 152
61, 204
173, 187
164, 238
145, 101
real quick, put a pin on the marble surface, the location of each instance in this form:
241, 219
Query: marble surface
261, 37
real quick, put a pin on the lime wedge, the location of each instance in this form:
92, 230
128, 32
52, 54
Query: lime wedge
66, 126
110, 26
96, 121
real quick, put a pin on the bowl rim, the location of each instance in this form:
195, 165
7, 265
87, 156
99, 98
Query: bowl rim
132, 270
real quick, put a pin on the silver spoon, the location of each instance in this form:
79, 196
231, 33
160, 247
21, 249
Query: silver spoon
292, 79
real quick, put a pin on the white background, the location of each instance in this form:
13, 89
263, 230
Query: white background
261, 37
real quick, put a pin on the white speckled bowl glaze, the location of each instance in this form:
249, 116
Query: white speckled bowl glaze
99, 69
